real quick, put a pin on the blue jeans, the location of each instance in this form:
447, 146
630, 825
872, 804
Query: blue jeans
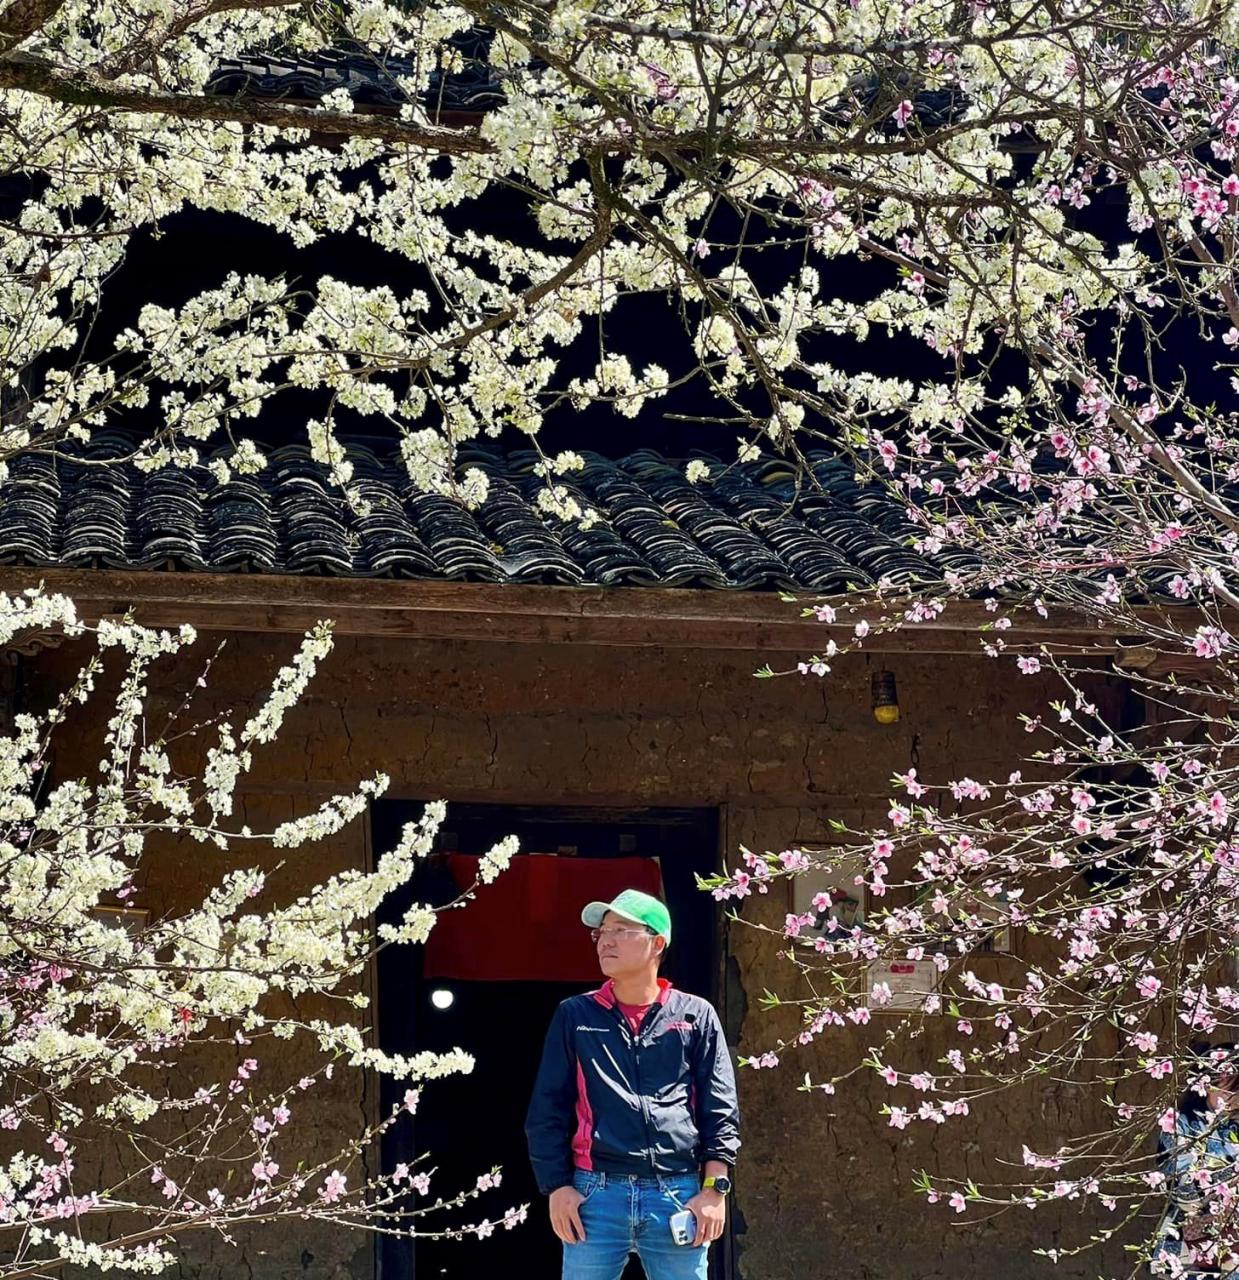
623, 1215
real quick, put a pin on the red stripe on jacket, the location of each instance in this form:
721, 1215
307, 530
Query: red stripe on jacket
583, 1139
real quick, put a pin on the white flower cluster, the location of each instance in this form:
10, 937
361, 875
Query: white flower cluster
474, 340
497, 859
92, 996
428, 458
36, 611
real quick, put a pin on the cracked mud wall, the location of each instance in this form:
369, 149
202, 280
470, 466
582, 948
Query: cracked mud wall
824, 1184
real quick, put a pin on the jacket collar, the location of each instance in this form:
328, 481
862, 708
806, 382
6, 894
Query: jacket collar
605, 995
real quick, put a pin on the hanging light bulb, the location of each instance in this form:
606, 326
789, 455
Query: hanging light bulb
885, 697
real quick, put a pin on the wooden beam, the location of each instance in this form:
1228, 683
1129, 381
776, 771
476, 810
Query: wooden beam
439, 610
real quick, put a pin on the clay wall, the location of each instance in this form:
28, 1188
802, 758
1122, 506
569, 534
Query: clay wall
824, 1187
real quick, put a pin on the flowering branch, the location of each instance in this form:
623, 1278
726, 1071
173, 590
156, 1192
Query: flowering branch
101, 1005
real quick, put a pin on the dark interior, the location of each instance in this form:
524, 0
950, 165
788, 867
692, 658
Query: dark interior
470, 1123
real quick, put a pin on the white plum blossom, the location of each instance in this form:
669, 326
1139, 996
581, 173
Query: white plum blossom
91, 996
981, 256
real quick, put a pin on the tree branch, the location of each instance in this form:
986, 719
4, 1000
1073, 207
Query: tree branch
23, 18
81, 88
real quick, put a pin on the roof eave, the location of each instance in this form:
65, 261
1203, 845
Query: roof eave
672, 617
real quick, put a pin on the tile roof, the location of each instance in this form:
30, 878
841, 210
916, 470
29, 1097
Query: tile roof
473, 87
749, 527
371, 78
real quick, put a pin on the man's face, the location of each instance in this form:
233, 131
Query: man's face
624, 946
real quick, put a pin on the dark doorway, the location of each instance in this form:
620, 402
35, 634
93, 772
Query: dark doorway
469, 1123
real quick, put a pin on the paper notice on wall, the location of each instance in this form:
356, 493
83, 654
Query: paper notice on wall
840, 877
900, 986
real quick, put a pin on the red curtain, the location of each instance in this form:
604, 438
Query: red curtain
526, 926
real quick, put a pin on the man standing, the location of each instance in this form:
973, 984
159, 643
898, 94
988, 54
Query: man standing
633, 1117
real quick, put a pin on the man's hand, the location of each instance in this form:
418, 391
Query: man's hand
565, 1206
710, 1210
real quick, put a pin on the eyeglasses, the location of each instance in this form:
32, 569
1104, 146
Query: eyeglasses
598, 934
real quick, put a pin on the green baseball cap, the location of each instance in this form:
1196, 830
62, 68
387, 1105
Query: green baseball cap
633, 905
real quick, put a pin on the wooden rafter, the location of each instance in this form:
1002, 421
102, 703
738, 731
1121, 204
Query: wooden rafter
626, 616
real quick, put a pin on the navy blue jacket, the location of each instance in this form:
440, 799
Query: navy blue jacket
662, 1102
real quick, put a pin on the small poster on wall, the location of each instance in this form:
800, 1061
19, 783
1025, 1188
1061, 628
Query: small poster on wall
900, 986
834, 873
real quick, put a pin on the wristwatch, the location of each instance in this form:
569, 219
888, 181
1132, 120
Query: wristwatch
720, 1183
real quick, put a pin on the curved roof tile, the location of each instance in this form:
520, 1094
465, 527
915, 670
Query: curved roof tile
749, 527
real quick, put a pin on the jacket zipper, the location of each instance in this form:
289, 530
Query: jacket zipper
634, 1043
